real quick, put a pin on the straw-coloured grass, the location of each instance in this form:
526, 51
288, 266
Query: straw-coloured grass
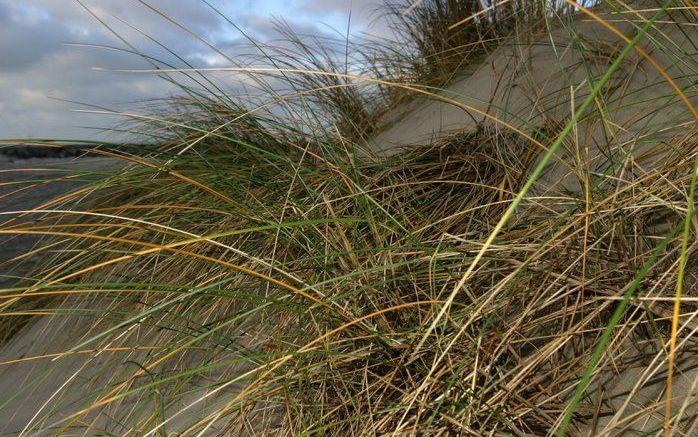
258, 273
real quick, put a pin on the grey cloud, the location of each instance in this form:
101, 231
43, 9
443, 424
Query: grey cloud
23, 44
4, 14
36, 67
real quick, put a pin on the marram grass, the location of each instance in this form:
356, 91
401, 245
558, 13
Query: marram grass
259, 269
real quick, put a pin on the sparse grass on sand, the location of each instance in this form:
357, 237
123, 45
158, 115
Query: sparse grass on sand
260, 269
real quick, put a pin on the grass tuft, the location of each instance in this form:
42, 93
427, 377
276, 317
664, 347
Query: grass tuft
257, 267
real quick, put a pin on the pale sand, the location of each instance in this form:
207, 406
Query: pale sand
525, 86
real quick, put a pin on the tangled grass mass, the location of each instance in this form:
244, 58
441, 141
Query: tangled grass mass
289, 264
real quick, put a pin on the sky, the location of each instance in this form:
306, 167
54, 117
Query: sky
57, 57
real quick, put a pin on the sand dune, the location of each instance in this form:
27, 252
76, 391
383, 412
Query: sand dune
525, 86
536, 84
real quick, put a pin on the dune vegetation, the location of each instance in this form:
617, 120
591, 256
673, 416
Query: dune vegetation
257, 265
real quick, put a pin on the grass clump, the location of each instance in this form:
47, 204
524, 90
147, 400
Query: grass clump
260, 270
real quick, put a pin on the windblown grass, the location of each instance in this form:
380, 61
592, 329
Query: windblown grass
259, 270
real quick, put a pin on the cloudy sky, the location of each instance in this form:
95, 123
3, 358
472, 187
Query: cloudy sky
54, 53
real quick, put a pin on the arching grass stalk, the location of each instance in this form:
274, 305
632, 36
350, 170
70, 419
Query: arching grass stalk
679, 291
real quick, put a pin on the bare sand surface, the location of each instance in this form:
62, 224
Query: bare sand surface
531, 86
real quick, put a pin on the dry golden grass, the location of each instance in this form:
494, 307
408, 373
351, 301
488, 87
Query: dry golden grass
261, 271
